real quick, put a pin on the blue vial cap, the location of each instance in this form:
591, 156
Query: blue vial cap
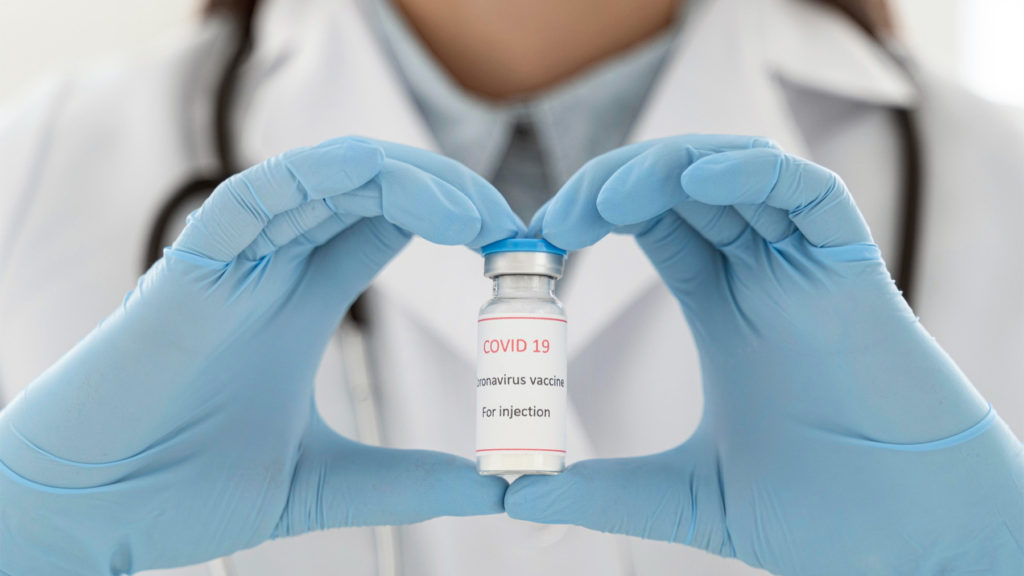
522, 245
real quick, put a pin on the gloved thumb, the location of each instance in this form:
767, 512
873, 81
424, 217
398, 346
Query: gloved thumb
670, 496
339, 482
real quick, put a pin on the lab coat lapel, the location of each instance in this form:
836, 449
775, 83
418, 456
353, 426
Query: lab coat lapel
725, 75
719, 80
319, 72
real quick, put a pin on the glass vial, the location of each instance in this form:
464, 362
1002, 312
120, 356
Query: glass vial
521, 361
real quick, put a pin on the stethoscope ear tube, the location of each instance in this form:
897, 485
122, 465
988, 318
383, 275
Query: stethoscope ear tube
198, 188
910, 230
193, 192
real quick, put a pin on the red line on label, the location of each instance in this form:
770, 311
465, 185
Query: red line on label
525, 449
522, 318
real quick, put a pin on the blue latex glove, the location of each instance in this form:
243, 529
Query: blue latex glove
837, 437
184, 427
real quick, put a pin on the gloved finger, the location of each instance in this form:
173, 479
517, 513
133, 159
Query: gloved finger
425, 205
286, 227
325, 231
573, 219
241, 206
773, 224
663, 496
338, 482
498, 221
686, 261
342, 267
535, 229
342, 210
816, 199
720, 225
412, 198
648, 185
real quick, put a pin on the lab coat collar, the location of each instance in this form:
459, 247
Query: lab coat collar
811, 44
318, 72
725, 75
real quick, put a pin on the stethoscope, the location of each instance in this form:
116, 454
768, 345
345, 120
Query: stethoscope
352, 333
350, 337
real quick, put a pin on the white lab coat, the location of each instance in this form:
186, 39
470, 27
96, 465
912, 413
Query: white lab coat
85, 164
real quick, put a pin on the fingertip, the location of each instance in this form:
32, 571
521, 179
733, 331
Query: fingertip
458, 226
517, 497
498, 221
334, 166
614, 205
570, 223
493, 492
362, 485
427, 206
460, 489
647, 185
491, 232
617, 205
540, 498
520, 226
735, 177
536, 227
362, 153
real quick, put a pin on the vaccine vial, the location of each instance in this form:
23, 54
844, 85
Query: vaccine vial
521, 361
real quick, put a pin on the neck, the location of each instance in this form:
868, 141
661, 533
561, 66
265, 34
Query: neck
504, 49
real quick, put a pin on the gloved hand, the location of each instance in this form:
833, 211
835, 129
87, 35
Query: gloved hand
837, 437
184, 427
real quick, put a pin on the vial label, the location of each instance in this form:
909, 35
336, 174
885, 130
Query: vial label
521, 384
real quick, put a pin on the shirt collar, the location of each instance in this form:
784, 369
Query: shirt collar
467, 128
476, 131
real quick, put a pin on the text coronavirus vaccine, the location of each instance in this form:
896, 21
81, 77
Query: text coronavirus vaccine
522, 375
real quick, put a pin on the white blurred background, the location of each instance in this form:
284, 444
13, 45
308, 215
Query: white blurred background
978, 42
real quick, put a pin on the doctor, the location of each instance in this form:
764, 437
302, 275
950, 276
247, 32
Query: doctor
836, 436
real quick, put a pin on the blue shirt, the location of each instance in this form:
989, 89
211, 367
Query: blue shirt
527, 147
